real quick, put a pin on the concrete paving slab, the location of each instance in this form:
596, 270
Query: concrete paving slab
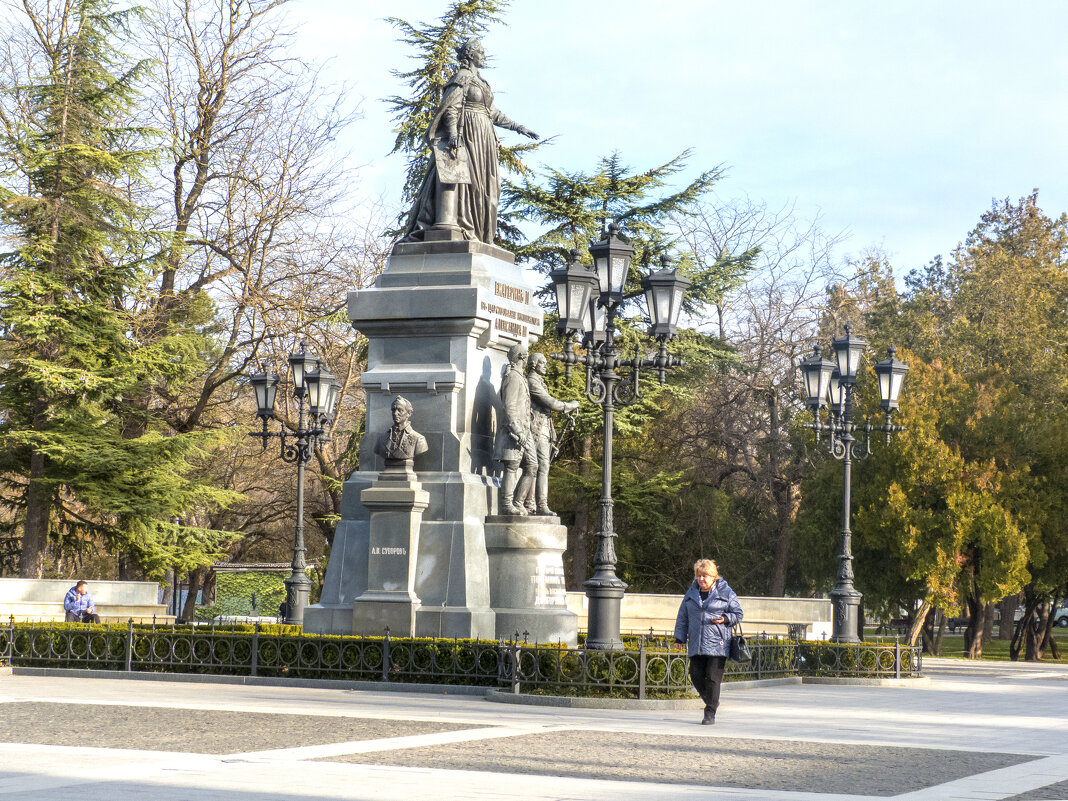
1052, 792
306, 781
207, 731
976, 731
704, 760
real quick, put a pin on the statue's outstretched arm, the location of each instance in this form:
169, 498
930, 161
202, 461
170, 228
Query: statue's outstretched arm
539, 393
502, 121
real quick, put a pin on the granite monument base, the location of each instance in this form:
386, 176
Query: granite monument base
374, 612
439, 322
527, 578
396, 502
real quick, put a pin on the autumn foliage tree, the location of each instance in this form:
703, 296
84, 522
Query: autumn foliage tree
966, 506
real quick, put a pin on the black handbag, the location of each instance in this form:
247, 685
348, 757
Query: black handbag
738, 648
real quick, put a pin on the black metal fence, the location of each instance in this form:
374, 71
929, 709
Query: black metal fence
882, 660
652, 669
251, 651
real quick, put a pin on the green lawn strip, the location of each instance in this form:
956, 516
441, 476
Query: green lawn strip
998, 650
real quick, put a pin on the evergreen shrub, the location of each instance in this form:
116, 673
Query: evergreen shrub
280, 650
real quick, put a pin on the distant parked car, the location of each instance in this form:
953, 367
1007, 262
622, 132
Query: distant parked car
1060, 616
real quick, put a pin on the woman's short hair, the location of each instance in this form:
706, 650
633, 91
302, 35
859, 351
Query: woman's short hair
705, 566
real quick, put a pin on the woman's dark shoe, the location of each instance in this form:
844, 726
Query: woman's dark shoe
708, 719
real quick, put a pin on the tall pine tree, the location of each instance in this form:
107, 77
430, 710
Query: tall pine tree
573, 210
82, 466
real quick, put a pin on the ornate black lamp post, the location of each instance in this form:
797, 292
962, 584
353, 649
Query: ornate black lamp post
312, 383
588, 302
832, 384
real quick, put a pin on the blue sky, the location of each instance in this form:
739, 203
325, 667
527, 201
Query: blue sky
897, 123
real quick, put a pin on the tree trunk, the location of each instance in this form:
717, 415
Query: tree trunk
207, 594
196, 580
1007, 609
1024, 636
940, 632
168, 590
784, 541
917, 622
332, 490
1036, 633
929, 621
1023, 627
988, 623
973, 634
1031, 652
1048, 640
777, 585
1054, 649
787, 501
35, 526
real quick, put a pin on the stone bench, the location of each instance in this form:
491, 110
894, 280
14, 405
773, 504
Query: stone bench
116, 601
640, 612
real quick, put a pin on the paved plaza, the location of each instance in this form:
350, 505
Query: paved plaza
972, 731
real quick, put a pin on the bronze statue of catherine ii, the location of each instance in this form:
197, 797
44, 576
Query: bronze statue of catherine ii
460, 191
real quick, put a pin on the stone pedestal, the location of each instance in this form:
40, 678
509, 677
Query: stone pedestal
396, 503
527, 589
439, 322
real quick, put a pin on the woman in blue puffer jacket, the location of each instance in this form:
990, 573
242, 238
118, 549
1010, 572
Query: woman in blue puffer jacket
708, 611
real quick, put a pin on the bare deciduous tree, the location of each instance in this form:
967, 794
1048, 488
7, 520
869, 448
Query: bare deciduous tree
738, 431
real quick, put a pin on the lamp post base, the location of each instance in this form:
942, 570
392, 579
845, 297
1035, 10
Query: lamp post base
845, 602
605, 598
298, 588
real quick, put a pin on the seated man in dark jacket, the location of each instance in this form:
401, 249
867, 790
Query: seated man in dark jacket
708, 611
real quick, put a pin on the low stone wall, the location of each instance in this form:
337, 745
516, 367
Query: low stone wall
641, 612
42, 599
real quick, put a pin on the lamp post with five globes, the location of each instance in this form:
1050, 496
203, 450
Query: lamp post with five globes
831, 384
588, 301
315, 386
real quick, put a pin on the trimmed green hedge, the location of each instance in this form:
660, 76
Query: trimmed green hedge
268, 650
280, 650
